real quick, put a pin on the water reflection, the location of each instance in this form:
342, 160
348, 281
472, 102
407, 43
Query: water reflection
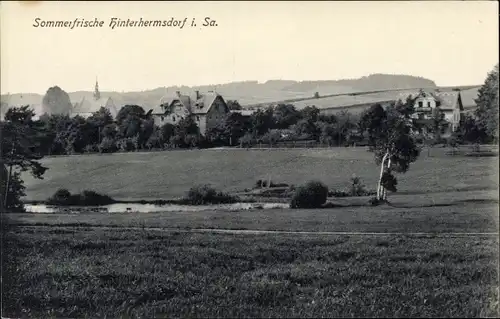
148, 208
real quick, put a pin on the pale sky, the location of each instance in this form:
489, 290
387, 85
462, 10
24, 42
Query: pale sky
452, 43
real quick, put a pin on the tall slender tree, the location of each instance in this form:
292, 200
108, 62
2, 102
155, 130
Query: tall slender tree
487, 105
19, 153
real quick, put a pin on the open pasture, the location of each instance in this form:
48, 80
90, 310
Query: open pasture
432, 253
169, 174
86, 272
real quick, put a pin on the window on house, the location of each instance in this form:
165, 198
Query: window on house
198, 118
420, 104
162, 118
428, 104
173, 118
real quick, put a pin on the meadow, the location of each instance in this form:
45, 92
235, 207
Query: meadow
474, 212
169, 174
54, 272
433, 252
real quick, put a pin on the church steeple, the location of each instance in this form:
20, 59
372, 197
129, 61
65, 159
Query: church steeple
97, 94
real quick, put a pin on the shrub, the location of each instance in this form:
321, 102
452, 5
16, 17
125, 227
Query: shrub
93, 198
90, 148
357, 188
336, 193
389, 181
62, 197
271, 137
311, 195
206, 194
247, 140
107, 145
125, 144
263, 183
279, 184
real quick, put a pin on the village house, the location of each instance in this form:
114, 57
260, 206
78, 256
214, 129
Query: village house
450, 103
86, 106
207, 109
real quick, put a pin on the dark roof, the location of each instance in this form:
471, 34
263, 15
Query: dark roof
203, 103
196, 104
449, 100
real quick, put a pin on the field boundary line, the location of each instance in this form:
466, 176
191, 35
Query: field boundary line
270, 232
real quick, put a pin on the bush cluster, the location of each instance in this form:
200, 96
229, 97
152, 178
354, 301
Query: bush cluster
356, 188
206, 194
263, 183
389, 181
62, 197
311, 195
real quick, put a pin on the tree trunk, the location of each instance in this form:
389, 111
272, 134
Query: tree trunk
380, 189
7, 185
4, 173
385, 190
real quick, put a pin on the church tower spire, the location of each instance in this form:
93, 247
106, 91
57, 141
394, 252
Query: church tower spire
97, 94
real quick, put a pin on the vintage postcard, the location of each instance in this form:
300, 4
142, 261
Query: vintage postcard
233, 159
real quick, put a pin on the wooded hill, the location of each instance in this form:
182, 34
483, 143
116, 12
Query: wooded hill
249, 92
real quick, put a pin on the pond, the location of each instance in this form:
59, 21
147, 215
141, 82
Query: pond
148, 208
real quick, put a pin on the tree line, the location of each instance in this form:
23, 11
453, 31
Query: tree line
133, 129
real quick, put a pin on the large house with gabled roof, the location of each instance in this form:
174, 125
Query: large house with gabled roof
450, 103
207, 109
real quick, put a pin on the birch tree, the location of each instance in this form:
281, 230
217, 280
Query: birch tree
391, 140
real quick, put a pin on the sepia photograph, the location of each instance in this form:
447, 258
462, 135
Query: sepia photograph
249, 159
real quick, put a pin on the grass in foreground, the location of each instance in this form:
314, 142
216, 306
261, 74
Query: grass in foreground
62, 272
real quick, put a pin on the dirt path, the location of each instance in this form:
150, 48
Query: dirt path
271, 232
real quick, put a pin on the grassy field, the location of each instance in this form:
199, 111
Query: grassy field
432, 253
66, 272
471, 212
168, 175
468, 95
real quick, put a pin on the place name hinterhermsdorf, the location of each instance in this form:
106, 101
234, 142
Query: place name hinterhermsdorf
114, 23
